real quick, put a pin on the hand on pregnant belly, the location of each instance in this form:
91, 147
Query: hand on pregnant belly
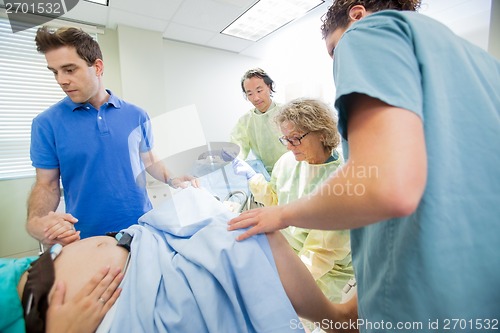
87, 309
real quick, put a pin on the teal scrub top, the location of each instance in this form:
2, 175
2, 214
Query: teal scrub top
441, 263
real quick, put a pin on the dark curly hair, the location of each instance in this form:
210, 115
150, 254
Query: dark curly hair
338, 14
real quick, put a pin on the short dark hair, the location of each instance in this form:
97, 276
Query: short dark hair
86, 47
260, 73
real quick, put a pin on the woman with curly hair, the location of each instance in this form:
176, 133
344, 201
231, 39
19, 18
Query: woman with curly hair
310, 134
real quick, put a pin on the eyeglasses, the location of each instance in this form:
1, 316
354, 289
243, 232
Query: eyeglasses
293, 141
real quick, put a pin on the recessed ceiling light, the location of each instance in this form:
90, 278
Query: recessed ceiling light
266, 16
99, 2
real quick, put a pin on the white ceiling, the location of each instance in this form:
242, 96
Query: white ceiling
200, 21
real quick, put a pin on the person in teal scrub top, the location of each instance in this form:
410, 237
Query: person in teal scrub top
419, 110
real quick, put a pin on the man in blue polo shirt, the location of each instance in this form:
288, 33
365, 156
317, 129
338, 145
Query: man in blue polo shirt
95, 142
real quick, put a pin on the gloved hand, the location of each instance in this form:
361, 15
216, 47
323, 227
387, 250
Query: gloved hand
242, 168
228, 155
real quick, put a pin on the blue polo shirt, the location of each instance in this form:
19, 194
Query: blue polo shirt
97, 152
437, 269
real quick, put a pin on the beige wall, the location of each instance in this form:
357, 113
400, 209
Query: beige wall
141, 65
210, 80
14, 240
112, 77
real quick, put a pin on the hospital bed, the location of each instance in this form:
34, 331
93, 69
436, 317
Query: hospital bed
183, 260
214, 172
218, 178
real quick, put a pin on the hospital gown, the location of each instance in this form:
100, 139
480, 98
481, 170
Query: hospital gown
188, 274
327, 254
257, 132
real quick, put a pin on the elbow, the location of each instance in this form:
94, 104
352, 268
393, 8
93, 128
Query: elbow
400, 199
403, 206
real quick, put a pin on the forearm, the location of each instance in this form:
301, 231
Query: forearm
159, 171
346, 317
304, 294
42, 200
348, 200
155, 167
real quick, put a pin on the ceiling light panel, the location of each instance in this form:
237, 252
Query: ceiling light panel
267, 16
99, 2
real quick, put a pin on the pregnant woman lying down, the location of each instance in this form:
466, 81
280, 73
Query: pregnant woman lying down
184, 273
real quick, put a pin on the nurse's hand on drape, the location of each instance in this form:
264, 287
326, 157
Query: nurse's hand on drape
262, 220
